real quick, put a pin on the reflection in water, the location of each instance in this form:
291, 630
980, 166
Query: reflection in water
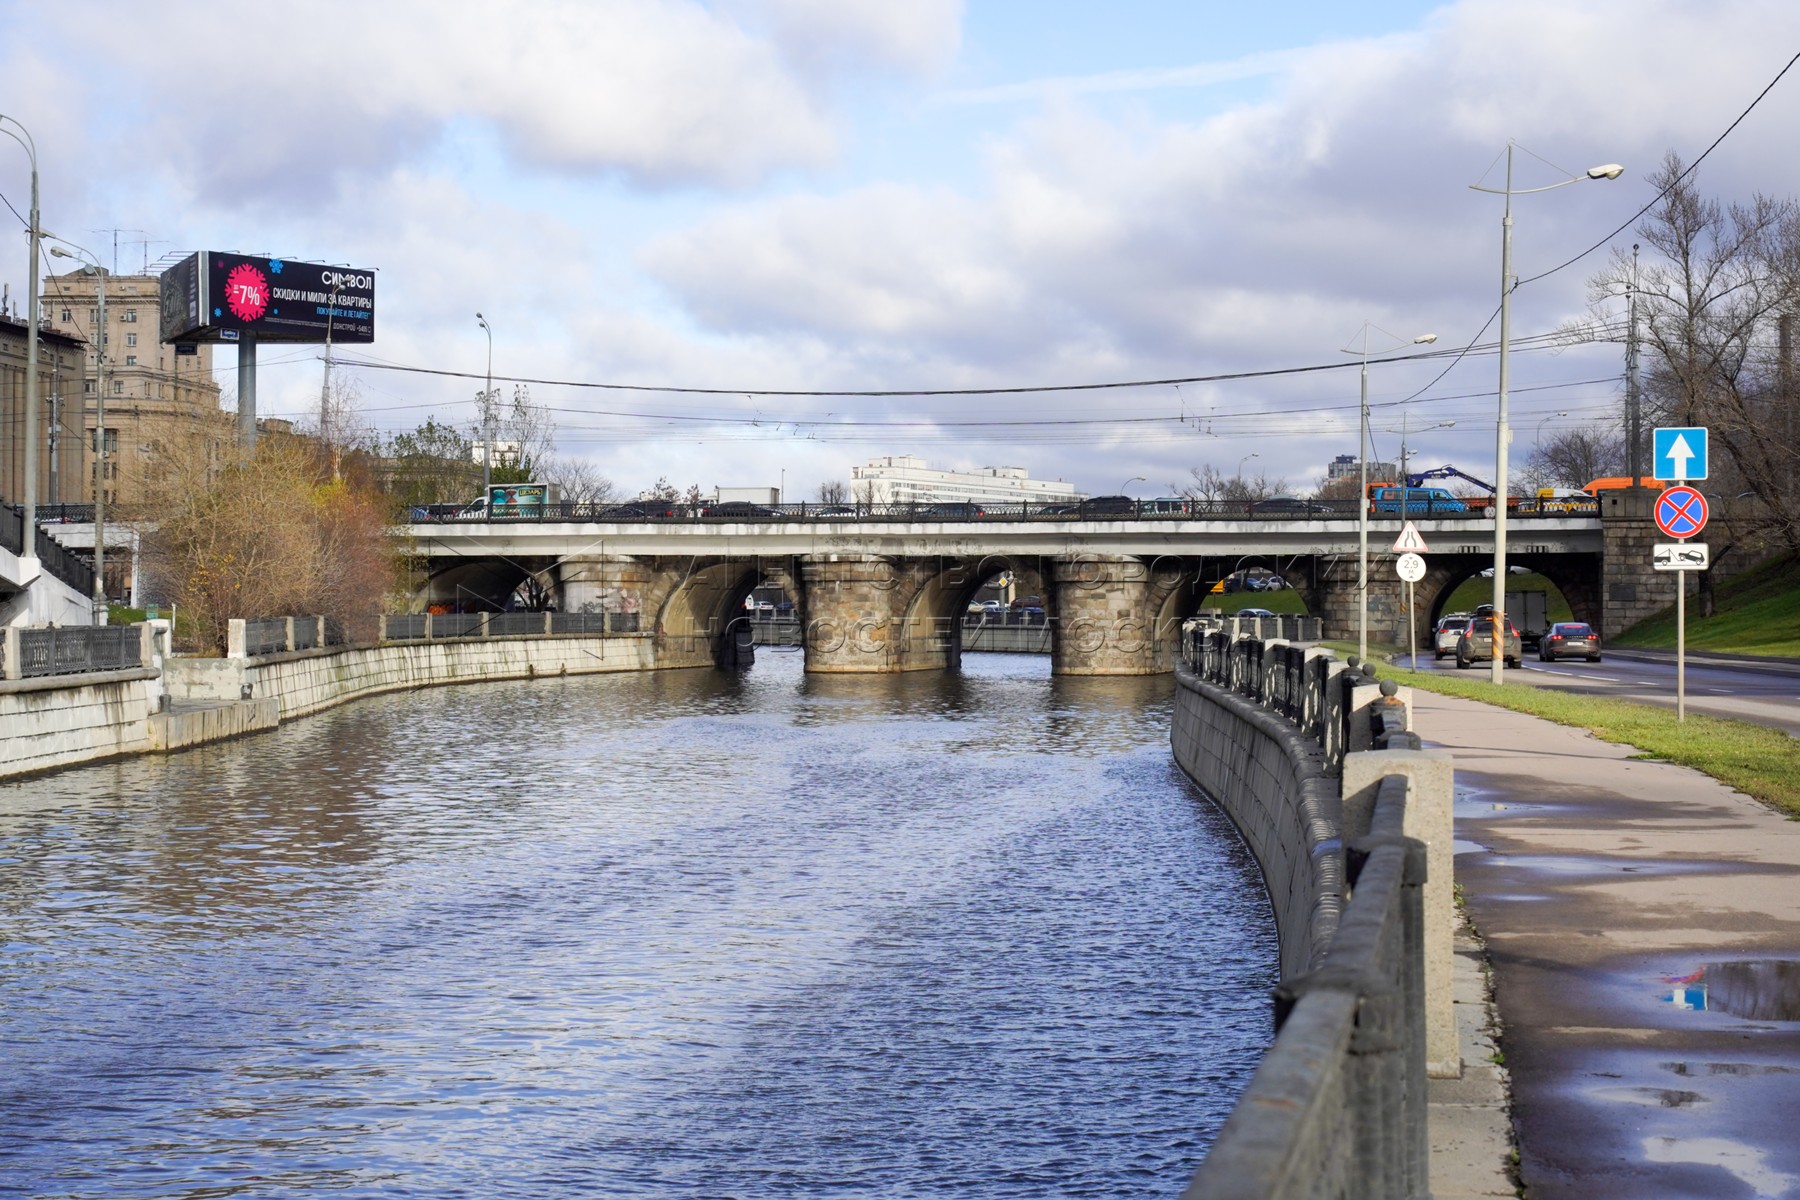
673, 934
1756, 989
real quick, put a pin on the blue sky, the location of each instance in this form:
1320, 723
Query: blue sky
763, 195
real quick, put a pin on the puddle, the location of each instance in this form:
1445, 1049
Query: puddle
1697, 1070
1465, 846
1744, 1161
1754, 989
1589, 864
1651, 1097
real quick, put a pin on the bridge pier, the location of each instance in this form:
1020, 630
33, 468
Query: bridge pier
1118, 615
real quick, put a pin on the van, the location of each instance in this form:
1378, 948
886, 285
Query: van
1415, 500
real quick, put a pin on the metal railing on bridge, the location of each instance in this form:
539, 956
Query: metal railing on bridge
261, 636
1104, 509
66, 565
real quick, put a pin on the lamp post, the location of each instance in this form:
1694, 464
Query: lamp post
1403, 435
1242, 461
1502, 431
1362, 456
1540, 428
92, 264
487, 420
1132, 480
28, 481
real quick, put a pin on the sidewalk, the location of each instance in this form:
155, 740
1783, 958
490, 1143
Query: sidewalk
1643, 924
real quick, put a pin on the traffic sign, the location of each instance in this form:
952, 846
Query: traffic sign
1680, 512
1680, 556
1679, 453
1410, 567
1410, 540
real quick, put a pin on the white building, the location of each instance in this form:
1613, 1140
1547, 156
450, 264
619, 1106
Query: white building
903, 479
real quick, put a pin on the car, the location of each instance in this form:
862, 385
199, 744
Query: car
953, 509
1286, 506
639, 509
1567, 639
1101, 506
1252, 612
1445, 633
742, 510
1476, 641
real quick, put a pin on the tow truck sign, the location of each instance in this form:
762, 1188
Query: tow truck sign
1680, 556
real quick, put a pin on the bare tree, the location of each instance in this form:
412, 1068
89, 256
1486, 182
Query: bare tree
1575, 458
579, 480
834, 491
1210, 484
1713, 303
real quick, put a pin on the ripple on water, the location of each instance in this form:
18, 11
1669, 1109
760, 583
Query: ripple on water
670, 934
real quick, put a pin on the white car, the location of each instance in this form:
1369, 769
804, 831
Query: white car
1449, 628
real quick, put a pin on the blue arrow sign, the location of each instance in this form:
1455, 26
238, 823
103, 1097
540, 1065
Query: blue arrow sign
1679, 453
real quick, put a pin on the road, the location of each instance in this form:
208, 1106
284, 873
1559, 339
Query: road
1766, 692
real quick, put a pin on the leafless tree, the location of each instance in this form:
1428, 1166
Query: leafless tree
834, 491
1575, 457
579, 480
1211, 484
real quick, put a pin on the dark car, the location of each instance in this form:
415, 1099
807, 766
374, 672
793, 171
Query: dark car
642, 509
1567, 639
953, 509
1101, 506
1476, 642
1287, 506
742, 510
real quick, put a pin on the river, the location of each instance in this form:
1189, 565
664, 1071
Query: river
674, 934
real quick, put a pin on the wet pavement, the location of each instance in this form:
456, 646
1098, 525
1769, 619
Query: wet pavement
1643, 926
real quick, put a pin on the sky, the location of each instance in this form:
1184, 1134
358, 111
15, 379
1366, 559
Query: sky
767, 196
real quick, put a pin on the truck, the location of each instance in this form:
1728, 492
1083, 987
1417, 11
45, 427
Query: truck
1530, 611
528, 500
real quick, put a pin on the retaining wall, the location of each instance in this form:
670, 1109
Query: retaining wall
61, 720
1273, 783
306, 681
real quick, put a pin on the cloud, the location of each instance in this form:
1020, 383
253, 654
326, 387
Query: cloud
278, 101
917, 37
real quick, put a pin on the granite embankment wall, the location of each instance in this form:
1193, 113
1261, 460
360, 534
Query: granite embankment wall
65, 720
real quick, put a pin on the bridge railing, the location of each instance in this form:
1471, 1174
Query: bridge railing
1107, 509
65, 564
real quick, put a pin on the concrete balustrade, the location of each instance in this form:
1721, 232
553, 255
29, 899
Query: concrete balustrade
1355, 841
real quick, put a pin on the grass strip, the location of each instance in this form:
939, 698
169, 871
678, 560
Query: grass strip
1755, 759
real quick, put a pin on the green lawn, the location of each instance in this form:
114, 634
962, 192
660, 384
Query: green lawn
1758, 613
1287, 600
1756, 760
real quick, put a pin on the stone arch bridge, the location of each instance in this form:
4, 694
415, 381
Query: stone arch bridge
889, 595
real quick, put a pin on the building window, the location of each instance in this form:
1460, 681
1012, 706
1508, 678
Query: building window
67, 316
131, 339
87, 385
118, 387
130, 317
131, 360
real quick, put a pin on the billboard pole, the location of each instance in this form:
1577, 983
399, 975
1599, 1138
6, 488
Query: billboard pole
246, 370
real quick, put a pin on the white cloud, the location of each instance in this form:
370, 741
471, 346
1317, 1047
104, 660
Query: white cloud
828, 36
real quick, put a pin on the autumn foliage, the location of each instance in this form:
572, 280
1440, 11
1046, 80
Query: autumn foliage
279, 535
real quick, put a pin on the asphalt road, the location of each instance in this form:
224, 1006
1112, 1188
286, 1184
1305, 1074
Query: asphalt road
1766, 691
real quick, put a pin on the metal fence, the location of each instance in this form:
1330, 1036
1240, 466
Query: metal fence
64, 564
77, 650
1100, 509
279, 635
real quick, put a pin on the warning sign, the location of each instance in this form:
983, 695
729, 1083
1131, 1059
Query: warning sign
1409, 541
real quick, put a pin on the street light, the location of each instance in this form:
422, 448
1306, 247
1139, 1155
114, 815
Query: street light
1540, 428
1404, 476
1242, 461
34, 234
1132, 480
91, 264
1362, 455
1502, 431
487, 420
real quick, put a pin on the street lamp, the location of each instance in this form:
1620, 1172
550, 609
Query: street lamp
1132, 480
91, 264
1404, 476
28, 481
1242, 461
487, 420
1502, 431
1540, 428
1362, 455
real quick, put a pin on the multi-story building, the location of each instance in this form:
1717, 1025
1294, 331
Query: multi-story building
1348, 466
62, 466
156, 400
903, 479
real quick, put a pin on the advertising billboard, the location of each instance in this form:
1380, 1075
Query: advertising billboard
216, 297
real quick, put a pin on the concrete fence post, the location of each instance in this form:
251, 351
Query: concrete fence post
1430, 792
430, 625
146, 644
289, 622
381, 627
547, 623
319, 633
234, 638
481, 628
14, 668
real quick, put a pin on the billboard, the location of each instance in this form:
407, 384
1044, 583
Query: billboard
217, 297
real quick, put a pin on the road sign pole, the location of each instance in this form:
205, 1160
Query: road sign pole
1681, 646
1412, 630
